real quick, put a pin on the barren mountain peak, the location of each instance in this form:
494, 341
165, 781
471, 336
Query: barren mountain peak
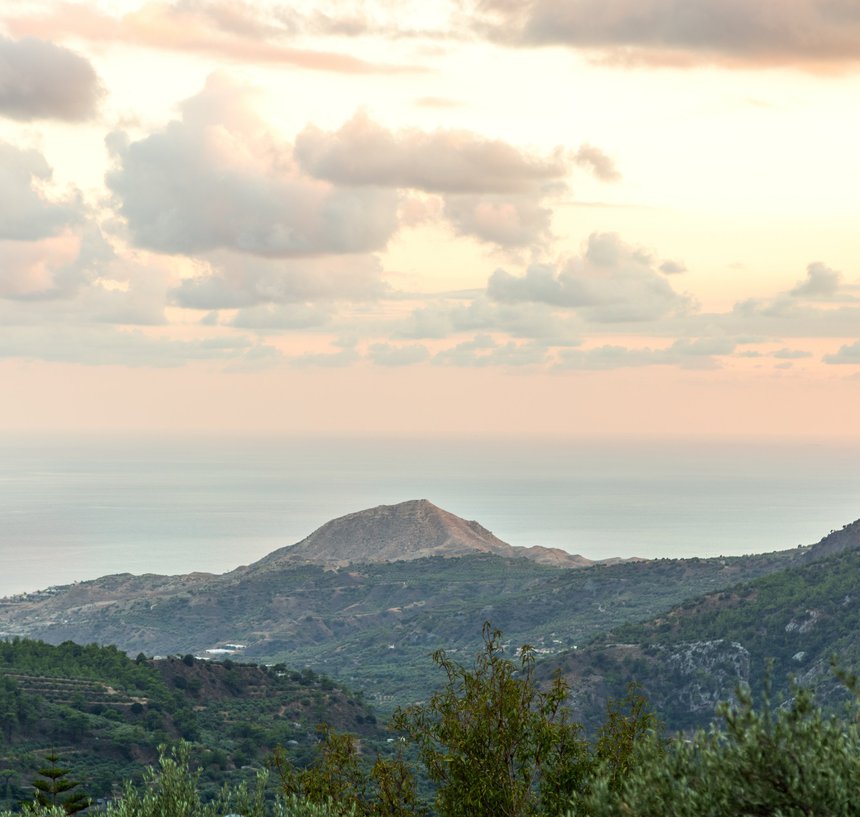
407, 530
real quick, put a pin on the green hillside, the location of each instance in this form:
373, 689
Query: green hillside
106, 714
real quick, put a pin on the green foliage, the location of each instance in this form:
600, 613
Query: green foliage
629, 722
793, 761
172, 790
339, 775
36, 810
492, 742
17, 709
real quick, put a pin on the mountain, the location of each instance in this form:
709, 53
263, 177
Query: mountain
409, 530
373, 624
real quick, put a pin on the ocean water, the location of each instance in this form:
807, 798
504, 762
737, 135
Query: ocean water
78, 508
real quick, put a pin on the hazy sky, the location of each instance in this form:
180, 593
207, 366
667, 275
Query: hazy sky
476, 216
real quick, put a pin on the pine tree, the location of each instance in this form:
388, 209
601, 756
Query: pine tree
53, 784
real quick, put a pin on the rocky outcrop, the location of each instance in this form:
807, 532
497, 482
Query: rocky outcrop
837, 541
704, 672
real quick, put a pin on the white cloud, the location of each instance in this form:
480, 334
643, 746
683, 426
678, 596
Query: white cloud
216, 179
235, 281
491, 190
26, 213
821, 283
611, 283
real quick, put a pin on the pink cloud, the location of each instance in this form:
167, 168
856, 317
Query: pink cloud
233, 31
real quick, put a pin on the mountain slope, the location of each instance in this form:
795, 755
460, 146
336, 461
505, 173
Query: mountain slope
694, 655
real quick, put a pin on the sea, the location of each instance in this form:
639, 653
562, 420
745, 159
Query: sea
78, 507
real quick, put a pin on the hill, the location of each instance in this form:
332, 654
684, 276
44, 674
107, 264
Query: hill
694, 655
106, 714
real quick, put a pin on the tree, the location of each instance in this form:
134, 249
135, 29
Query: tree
53, 784
789, 760
340, 779
493, 742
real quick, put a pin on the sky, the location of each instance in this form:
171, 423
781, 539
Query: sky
475, 217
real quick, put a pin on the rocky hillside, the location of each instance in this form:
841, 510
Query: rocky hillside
696, 654
837, 541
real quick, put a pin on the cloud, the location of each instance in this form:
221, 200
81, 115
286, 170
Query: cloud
235, 282
821, 283
505, 221
598, 163
791, 354
26, 213
106, 346
386, 354
49, 247
848, 355
787, 316
492, 190
611, 283
281, 317
821, 305
243, 32
40, 80
688, 353
346, 356
52, 268
215, 179
533, 321
364, 153
483, 351
84, 284
804, 33
672, 268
